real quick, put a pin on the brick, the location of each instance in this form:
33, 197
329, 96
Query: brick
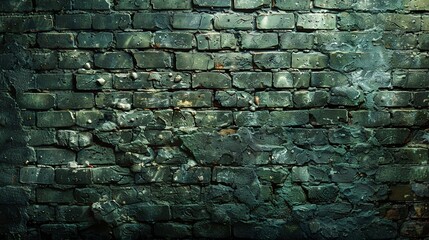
91, 5
351, 61
216, 41
294, 40
37, 101
333, 4
17, 24
316, 21
37, 175
397, 173
409, 155
73, 59
392, 99
152, 99
259, 40
409, 118
370, 118
41, 137
17, 6
416, 5
292, 5
77, 176
170, 80
112, 99
356, 21
408, 59
251, 4
171, 4
307, 99
197, 212
95, 40
192, 21
415, 229
328, 116
396, 21
132, 5
322, 193
283, 80
392, 136
194, 175
49, 195
350, 135
425, 23
233, 21
73, 139
213, 3
252, 79
53, 5
233, 98
89, 118
275, 21
213, 118
96, 155
423, 41
194, 61
401, 42
378, 5
288, 118
75, 100
93, 81
410, 79
74, 214
275, 99
168, 230
151, 21
233, 61
153, 59
133, 39
56, 40
134, 118
309, 60
41, 213
211, 80
173, 40
145, 212
113, 60
112, 21
251, 119
192, 99
346, 96
272, 60
154, 175
55, 119
421, 99
42, 60
73, 21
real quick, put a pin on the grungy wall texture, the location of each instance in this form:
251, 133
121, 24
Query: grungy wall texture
283, 119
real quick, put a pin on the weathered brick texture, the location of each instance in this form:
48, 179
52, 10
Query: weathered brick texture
249, 119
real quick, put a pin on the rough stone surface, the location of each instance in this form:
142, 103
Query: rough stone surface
205, 119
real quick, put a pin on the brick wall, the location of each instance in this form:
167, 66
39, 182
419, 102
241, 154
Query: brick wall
287, 119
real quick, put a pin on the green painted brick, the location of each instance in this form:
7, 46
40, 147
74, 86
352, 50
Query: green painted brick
45, 60
309, 60
356, 21
259, 40
75, 100
233, 98
251, 119
53, 5
37, 101
283, 80
216, 41
151, 21
252, 79
329, 116
95, 40
292, 5
392, 136
251, 4
133, 39
78, 176
55, 119
132, 5
275, 99
397, 21
293, 40
213, 119
421, 99
56, 40
307, 99
192, 21
381, 5
370, 118
153, 59
113, 60
173, 40
272, 60
233, 21
275, 21
233, 61
73, 21
289, 118
37, 175
313, 21
200, 98
152, 99
409, 118
333, 4
410, 79
18, 24
171, 4
17, 6
134, 118
212, 3
74, 59
89, 118
113, 99
211, 80
93, 81
194, 61
392, 98
112, 21
91, 5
